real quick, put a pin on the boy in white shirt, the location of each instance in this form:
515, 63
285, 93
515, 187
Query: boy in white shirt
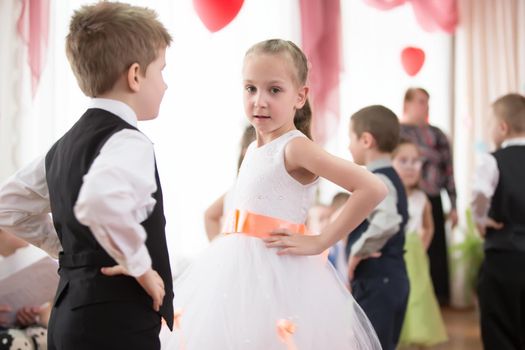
498, 203
101, 185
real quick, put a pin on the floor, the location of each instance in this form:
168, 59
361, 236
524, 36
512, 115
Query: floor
463, 330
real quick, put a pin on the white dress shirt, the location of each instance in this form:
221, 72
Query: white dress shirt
486, 178
383, 222
115, 197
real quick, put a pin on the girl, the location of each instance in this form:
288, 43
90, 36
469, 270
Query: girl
256, 288
423, 325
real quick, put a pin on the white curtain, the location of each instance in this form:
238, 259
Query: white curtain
12, 97
489, 62
373, 73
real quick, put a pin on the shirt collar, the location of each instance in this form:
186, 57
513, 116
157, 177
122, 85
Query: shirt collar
518, 141
379, 163
118, 108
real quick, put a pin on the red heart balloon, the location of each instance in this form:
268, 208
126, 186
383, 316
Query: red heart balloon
412, 59
216, 14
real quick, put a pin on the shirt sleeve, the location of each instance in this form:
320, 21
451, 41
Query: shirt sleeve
484, 185
384, 222
25, 209
447, 166
116, 196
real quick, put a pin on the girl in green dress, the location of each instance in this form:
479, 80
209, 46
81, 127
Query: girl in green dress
423, 325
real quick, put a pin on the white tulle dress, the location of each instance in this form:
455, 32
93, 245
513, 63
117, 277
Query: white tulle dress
235, 294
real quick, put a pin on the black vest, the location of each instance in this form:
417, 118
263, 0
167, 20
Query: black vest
391, 262
508, 202
66, 163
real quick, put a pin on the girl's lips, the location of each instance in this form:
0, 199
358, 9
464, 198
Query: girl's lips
261, 116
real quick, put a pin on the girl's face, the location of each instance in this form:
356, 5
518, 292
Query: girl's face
271, 93
407, 163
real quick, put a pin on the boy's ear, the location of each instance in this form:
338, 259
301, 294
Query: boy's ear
133, 77
503, 127
301, 97
367, 139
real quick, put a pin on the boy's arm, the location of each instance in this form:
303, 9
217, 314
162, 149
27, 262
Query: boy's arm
384, 222
116, 196
24, 208
486, 179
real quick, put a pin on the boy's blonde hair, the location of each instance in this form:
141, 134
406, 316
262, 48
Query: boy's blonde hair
511, 109
106, 38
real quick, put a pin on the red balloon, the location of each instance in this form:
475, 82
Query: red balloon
216, 14
412, 59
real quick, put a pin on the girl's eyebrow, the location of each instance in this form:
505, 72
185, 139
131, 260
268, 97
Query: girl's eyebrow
271, 82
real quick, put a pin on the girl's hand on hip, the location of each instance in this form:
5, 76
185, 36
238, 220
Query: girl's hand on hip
290, 243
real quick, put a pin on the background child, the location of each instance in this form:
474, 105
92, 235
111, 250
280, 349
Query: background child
251, 279
376, 268
437, 174
101, 185
28, 332
337, 252
423, 324
214, 214
499, 209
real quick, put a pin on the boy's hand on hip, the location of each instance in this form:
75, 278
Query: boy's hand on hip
150, 281
355, 260
154, 286
489, 223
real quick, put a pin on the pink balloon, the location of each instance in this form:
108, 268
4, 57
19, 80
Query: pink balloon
216, 14
412, 59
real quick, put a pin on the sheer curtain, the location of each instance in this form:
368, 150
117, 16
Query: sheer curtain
489, 62
373, 74
12, 95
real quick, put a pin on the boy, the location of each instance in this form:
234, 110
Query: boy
101, 185
376, 267
499, 209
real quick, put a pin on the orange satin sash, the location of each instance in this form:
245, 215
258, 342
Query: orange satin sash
256, 225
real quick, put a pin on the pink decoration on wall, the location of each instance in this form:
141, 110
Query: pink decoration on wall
33, 28
412, 59
216, 14
321, 42
430, 14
